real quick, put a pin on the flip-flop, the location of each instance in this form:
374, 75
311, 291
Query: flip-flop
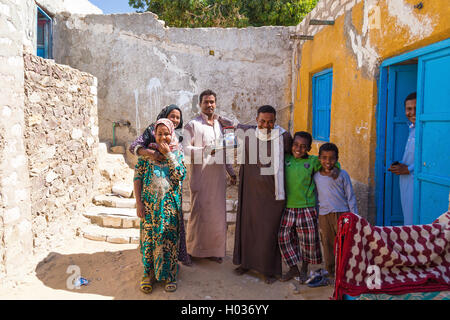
146, 285
171, 286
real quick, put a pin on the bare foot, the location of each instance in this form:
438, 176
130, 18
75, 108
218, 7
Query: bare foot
240, 271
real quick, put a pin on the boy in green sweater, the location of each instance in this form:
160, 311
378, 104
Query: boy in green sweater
298, 237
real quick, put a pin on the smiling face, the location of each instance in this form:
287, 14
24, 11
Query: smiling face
162, 134
300, 147
175, 117
266, 120
328, 160
410, 110
208, 105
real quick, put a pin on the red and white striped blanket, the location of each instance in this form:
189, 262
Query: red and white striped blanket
391, 260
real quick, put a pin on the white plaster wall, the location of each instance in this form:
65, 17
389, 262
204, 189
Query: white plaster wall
15, 212
142, 66
72, 6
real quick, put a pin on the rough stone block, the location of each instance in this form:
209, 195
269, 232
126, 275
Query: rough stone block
125, 190
51, 176
118, 239
127, 223
93, 236
134, 240
76, 133
114, 222
124, 203
35, 119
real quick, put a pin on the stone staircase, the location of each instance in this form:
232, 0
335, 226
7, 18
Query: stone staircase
113, 219
113, 215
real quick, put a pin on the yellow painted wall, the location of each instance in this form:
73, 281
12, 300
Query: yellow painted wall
385, 30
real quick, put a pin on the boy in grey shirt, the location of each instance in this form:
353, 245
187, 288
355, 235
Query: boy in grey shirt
335, 196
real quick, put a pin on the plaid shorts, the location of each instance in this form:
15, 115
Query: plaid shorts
298, 236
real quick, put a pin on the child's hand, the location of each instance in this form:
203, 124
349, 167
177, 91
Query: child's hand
164, 148
335, 173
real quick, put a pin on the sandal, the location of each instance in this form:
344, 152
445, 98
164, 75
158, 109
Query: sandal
171, 286
146, 285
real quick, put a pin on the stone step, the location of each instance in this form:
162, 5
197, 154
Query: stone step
109, 200
119, 218
123, 189
126, 218
121, 236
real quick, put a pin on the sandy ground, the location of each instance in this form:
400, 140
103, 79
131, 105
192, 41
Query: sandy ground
114, 271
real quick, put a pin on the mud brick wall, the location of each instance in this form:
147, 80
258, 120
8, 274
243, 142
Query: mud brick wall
61, 137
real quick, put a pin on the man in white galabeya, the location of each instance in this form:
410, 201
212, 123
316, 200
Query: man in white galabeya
405, 169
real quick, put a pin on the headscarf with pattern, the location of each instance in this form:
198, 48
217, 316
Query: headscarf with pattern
173, 145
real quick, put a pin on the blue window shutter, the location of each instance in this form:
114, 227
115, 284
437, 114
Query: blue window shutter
322, 90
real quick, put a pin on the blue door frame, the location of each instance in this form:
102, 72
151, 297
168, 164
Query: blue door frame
382, 118
44, 31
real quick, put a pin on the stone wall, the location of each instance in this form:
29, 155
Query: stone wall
141, 66
61, 137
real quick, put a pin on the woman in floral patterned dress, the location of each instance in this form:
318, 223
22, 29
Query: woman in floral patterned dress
157, 187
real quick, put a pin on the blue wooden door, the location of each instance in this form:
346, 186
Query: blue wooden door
432, 149
322, 93
402, 80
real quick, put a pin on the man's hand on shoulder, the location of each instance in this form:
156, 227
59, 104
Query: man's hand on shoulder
224, 122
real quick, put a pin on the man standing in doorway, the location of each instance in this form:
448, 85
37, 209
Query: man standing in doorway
207, 227
405, 169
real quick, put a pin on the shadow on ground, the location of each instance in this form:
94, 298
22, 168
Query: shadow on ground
117, 274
